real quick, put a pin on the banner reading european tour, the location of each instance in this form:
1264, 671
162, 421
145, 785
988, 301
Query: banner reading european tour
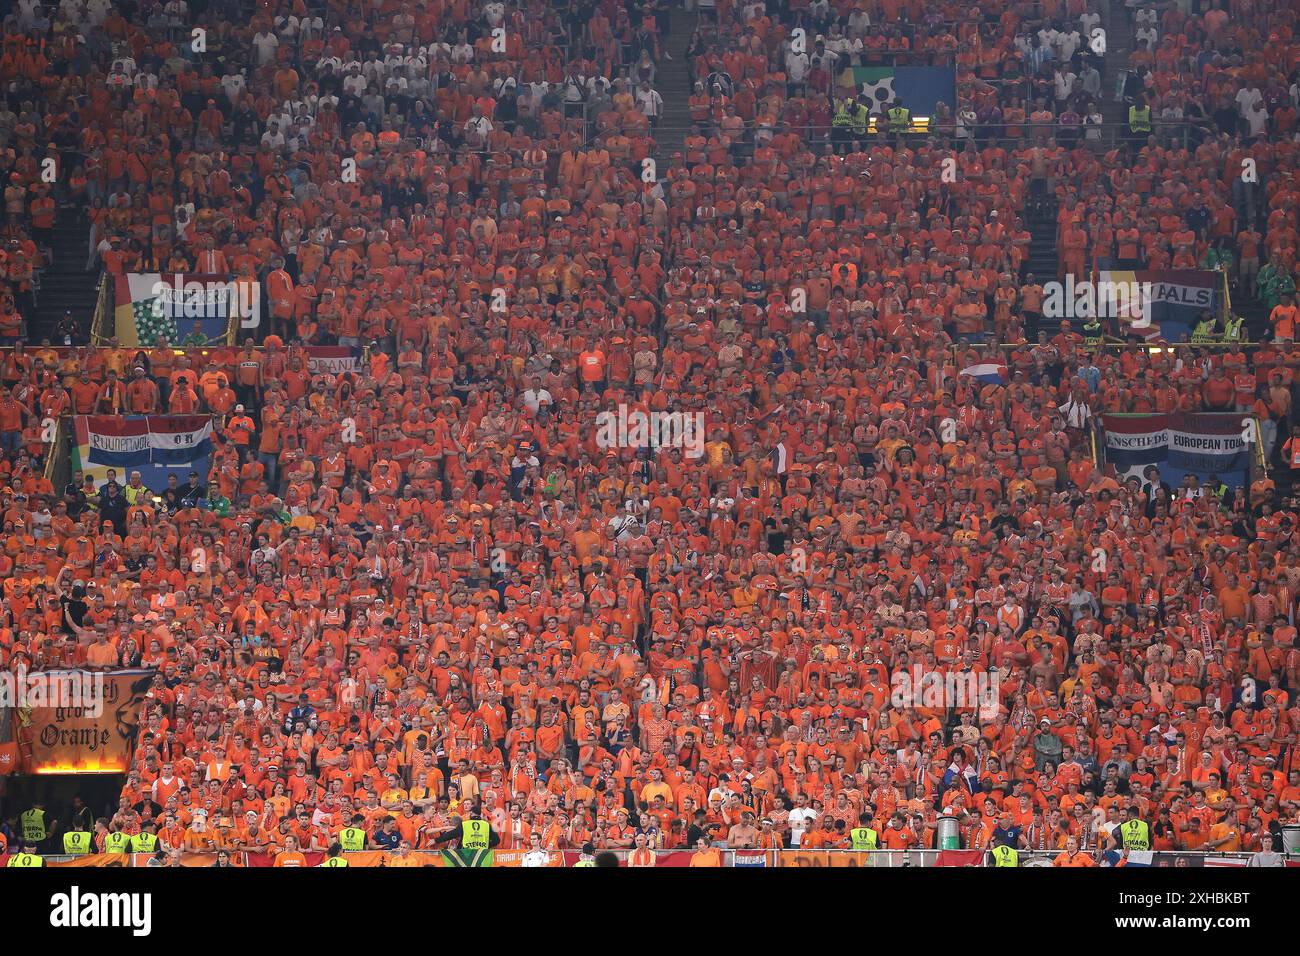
98, 737
185, 309
1172, 301
1195, 443
154, 445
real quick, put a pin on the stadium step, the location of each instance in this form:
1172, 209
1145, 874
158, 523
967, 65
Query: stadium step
1119, 44
1041, 221
65, 284
673, 81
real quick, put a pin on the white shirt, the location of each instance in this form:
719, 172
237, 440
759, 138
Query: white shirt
796, 66
233, 84
1245, 98
1077, 414
649, 102
266, 44
801, 819
535, 397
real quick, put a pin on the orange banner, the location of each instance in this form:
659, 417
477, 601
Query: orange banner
98, 859
828, 858
97, 735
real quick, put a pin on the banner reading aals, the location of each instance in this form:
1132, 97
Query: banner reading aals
93, 737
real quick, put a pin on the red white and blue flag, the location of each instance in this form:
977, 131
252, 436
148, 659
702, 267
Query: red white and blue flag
154, 445
991, 373
1190, 443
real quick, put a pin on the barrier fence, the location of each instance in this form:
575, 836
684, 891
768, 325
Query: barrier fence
725, 858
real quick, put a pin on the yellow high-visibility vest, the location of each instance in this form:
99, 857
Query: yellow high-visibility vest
1136, 835
864, 838
475, 835
76, 842
32, 823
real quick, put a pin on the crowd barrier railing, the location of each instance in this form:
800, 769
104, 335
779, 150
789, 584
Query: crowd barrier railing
677, 858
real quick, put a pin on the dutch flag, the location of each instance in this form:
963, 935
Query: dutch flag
992, 373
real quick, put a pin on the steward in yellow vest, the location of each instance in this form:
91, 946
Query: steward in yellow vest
144, 842
1139, 118
334, 857
900, 117
76, 842
32, 824
353, 838
1135, 833
475, 840
863, 836
1004, 855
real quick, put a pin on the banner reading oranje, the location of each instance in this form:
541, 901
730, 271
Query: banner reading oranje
93, 737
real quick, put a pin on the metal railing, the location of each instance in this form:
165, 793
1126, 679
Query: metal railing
100, 318
727, 858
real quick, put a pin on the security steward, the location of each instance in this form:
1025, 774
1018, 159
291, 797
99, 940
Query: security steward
146, 841
26, 857
117, 842
334, 857
864, 836
842, 123
472, 840
861, 117
900, 117
1092, 333
1139, 119
34, 825
1204, 332
352, 838
1134, 832
1004, 854
76, 842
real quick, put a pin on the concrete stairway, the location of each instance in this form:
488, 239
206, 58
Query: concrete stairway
674, 84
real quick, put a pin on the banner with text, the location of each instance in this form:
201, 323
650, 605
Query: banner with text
154, 445
333, 359
1170, 301
98, 738
1183, 443
184, 309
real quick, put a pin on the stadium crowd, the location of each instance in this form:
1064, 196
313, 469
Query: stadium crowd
429, 588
